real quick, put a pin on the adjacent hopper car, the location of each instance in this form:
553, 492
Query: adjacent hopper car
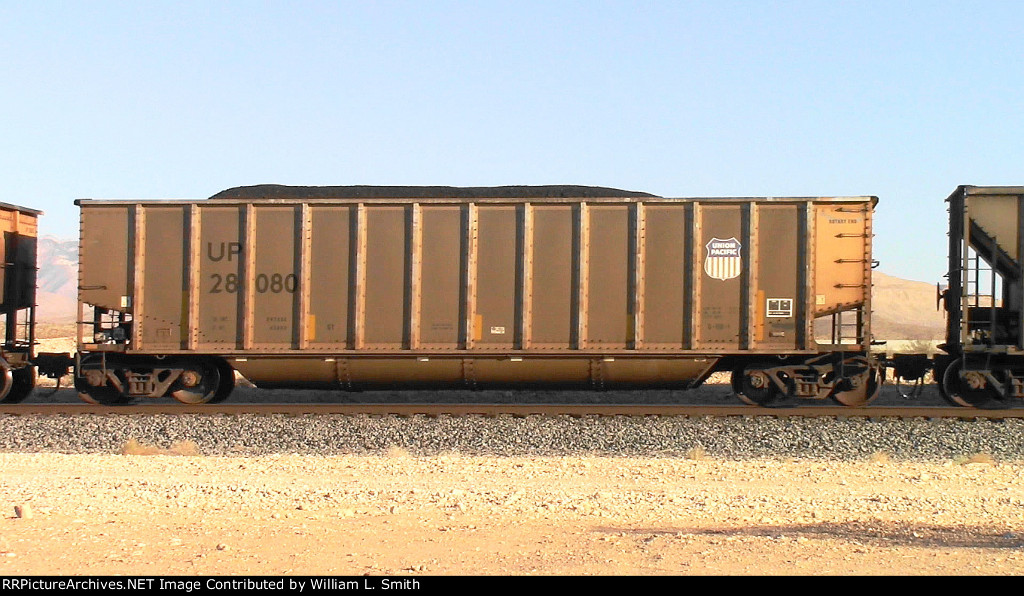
17, 309
984, 301
509, 287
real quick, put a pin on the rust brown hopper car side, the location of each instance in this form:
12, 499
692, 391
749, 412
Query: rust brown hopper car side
18, 253
437, 287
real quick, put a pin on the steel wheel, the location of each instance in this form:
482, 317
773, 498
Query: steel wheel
865, 386
199, 384
971, 392
101, 396
99, 391
753, 386
227, 382
23, 381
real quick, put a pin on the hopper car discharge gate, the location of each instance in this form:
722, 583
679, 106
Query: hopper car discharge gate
505, 287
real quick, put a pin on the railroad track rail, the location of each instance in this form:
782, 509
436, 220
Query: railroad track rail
485, 409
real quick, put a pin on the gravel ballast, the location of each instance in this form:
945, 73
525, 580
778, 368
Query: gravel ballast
728, 437
732, 437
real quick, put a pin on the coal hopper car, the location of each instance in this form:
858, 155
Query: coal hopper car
984, 301
503, 287
17, 309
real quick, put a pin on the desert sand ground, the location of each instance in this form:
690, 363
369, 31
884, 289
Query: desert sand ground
401, 515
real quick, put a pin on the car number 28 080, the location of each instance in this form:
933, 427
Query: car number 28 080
274, 283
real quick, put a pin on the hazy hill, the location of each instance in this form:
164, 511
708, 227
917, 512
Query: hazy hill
902, 309
905, 309
57, 294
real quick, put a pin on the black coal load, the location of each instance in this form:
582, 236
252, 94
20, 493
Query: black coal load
280, 191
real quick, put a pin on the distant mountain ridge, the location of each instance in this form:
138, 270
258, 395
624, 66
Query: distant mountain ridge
57, 281
903, 309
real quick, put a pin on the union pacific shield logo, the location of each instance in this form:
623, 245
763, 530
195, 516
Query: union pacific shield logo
723, 260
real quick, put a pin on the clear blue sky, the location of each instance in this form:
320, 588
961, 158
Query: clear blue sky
903, 100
